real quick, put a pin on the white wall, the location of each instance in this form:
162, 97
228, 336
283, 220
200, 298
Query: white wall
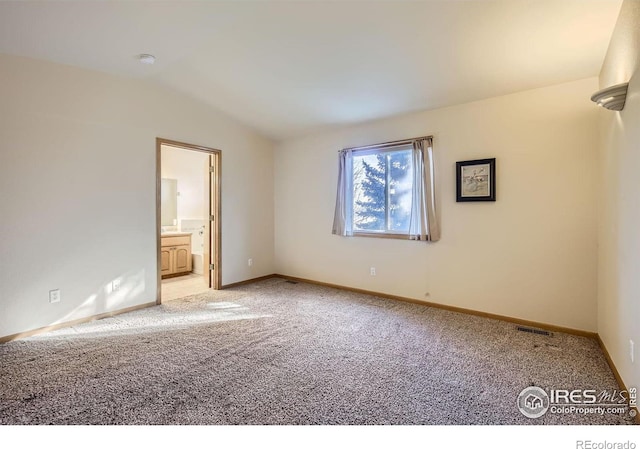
187, 167
77, 176
530, 255
619, 204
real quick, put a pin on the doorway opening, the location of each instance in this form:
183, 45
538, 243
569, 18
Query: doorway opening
188, 219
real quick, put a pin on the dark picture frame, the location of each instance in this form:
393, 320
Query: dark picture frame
476, 180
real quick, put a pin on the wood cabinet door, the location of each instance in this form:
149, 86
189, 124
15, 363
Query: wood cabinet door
165, 260
182, 256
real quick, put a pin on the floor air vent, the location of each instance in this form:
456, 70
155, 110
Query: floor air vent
290, 282
531, 330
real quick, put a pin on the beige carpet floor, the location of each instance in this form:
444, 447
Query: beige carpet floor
274, 352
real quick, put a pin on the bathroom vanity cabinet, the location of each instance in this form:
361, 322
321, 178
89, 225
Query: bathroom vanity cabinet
175, 254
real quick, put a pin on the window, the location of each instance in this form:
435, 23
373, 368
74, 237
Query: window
382, 182
387, 190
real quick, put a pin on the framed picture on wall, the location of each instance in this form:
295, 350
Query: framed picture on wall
476, 180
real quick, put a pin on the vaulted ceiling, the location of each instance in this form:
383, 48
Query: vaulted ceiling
288, 68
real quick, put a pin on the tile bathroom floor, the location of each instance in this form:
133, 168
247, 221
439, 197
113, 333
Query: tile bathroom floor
181, 286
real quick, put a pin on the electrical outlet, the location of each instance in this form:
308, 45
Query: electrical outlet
115, 285
632, 350
250, 262
54, 296
372, 270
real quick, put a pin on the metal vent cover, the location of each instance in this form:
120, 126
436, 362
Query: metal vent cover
532, 330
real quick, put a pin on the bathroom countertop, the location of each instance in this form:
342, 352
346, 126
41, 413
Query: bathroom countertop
174, 234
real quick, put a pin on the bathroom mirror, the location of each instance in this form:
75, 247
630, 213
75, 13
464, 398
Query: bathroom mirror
169, 202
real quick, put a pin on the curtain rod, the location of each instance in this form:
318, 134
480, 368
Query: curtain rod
393, 143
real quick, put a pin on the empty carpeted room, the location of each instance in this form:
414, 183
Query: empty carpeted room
320, 214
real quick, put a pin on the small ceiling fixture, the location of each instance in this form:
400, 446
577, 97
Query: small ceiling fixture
147, 59
612, 98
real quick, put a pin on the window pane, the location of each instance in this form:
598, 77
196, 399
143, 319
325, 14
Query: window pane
400, 183
369, 192
382, 191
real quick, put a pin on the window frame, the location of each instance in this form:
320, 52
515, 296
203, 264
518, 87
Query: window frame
384, 148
